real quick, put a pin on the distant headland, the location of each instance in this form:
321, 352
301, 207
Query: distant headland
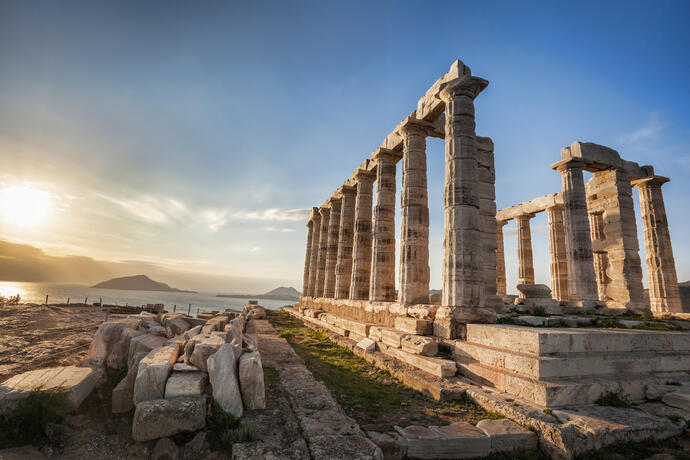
280, 293
138, 283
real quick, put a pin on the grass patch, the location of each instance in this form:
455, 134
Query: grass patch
538, 311
26, 423
505, 320
218, 423
367, 393
652, 326
636, 451
613, 399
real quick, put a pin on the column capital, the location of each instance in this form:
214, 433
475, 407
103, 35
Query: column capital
501, 223
314, 213
411, 126
344, 190
464, 86
523, 217
650, 182
567, 164
386, 153
362, 174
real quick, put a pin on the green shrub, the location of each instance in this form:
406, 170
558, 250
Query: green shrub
26, 423
538, 311
285, 334
613, 399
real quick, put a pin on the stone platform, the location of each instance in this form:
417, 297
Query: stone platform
558, 367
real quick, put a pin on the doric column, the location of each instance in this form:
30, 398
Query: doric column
500, 259
414, 206
323, 250
599, 255
314, 261
661, 266
559, 263
525, 262
582, 285
332, 251
382, 286
307, 258
361, 266
343, 267
462, 250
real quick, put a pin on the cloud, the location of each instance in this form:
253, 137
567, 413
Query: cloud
650, 130
274, 229
255, 249
273, 214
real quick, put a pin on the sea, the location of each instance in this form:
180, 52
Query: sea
174, 301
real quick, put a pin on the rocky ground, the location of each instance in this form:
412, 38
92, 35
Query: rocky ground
35, 336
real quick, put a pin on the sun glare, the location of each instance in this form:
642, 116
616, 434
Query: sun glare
23, 206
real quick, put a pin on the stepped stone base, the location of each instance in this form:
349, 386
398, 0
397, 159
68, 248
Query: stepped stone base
571, 367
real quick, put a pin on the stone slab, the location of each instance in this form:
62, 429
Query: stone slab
506, 435
185, 384
434, 366
391, 337
677, 399
77, 381
419, 345
414, 325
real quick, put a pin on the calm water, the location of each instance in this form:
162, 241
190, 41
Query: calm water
59, 293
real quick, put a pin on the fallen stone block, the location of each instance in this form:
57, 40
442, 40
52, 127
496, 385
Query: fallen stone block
392, 445
165, 449
200, 347
222, 371
160, 418
117, 359
534, 291
78, 382
184, 367
123, 394
413, 325
185, 384
655, 392
422, 442
196, 330
506, 435
391, 337
153, 373
144, 343
178, 326
419, 345
367, 345
677, 399
462, 440
252, 381
107, 336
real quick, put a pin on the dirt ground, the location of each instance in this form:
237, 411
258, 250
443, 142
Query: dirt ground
34, 336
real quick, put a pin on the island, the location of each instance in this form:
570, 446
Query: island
138, 283
279, 293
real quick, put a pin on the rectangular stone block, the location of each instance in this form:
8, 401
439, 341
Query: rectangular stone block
419, 345
434, 366
506, 435
391, 337
413, 325
185, 384
375, 333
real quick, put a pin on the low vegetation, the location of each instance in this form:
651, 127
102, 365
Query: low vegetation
370, 395
26, 423
613, 399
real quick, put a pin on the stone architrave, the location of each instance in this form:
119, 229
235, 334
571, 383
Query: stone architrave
343, 266
323, 249
461, 249
307, 258
382, 285
582, 285
500, 260
332, 250
314, 253
361, 249
664, 295
414, 206
525, 261
559, 263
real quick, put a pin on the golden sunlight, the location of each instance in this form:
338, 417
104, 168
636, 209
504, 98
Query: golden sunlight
23, 206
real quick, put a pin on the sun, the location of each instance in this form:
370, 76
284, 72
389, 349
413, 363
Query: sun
23, 206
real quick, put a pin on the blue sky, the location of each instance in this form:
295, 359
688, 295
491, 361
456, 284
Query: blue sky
192, 134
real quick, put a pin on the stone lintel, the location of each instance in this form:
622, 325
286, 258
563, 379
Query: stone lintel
600, 158
530, 207
653, 181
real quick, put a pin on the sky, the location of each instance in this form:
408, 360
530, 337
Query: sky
194, 136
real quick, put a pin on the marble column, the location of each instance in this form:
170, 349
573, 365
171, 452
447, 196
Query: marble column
525, 261
314, 263
332, 250
414, 206
557, 250
382, 285
500, 260
323, 250
462, 274
599, 255
361, 266
582, 284
343, 266
307, 258
664, 295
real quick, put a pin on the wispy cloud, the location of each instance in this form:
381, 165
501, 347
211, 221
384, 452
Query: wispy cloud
255, 249
649, 130
273, 214
274, 229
